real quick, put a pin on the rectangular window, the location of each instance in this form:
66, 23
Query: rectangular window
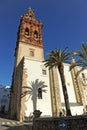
44, 72
31, 52
39, 93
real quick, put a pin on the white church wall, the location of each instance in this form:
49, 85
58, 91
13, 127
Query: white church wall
34, 71
74, 106
77, 110
69, 84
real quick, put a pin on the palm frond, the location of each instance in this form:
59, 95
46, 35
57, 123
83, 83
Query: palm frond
84, 48
57, 57
82, 58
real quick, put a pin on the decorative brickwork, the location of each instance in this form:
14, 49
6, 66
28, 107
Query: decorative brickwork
33, 35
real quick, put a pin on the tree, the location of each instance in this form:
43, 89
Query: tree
82, 58
56, 59
32, 91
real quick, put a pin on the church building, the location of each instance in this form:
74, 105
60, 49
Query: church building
35, 87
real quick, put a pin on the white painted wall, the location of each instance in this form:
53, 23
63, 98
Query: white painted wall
34, 71
76, 108
69, 84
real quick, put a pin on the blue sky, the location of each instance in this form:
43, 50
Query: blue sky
65, 24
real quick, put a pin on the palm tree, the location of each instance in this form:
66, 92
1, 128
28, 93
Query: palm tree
56, 59
82, 58
32, 91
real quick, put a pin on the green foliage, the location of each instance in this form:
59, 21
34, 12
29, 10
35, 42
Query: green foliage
57, 57
82, 58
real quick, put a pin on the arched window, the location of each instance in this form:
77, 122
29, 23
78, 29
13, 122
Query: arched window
30, 16
27, 31
35, 34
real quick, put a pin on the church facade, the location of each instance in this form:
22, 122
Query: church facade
36, 87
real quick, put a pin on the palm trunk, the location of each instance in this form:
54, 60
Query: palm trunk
54, 99
61, 71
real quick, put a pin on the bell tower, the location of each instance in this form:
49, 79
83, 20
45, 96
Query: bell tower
29, 46
29, 38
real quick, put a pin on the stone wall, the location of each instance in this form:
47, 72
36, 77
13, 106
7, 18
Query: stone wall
61, 123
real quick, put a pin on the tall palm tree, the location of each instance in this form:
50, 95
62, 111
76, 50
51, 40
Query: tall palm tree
82, 58
32, 91
56, 59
